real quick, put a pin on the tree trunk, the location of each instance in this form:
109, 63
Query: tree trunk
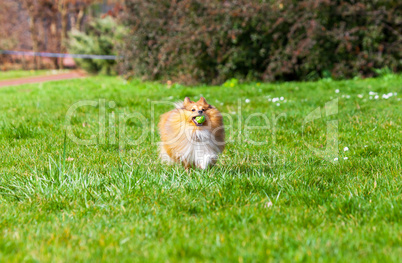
63, 9
54, 40
80, 18
34, 36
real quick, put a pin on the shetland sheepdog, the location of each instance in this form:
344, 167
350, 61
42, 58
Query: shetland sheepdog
192, 134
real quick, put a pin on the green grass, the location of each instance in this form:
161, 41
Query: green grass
61, 201
15, 74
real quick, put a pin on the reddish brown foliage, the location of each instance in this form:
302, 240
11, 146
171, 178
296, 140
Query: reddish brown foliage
211, 40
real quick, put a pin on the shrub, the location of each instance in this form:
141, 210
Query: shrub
99, 38
211, 40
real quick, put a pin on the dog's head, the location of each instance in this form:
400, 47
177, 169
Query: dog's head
198, 113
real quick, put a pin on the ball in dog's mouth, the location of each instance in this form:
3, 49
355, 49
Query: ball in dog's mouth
199, 120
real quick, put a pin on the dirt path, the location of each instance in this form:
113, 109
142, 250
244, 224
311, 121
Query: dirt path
39, 79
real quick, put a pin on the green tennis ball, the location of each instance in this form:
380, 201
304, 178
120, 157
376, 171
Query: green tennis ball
200, 119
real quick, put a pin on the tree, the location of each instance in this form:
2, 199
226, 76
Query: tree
81, 7
32, 6
47, 22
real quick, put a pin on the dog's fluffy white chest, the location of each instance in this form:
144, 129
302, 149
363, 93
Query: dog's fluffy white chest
201, 148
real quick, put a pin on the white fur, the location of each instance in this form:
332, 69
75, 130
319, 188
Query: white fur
197, 148
201, 149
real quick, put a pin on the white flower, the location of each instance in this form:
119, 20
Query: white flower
247, 101
337, 91
345, 158
345, 149
360, 96
371, 97
376, 97
348, 96
275, 99
268, 204
385, 96
278, 104
390, 94
365, 146
282, 98
372, 93
269, 99
395, 93
336, 159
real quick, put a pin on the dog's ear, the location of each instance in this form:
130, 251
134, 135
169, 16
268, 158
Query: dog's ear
202, 100
187, 100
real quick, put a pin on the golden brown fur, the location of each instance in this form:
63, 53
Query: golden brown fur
187, 142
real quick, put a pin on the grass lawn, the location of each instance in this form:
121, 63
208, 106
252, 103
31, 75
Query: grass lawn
276, 200
15, 74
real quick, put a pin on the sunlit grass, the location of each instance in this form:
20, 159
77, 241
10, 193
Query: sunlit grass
15, 74
61, 201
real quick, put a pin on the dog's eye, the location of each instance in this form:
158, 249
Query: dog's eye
203, 109
193, 109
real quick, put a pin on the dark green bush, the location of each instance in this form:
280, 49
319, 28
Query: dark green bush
213, 40
100, 38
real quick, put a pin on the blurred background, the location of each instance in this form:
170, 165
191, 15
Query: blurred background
204, 41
